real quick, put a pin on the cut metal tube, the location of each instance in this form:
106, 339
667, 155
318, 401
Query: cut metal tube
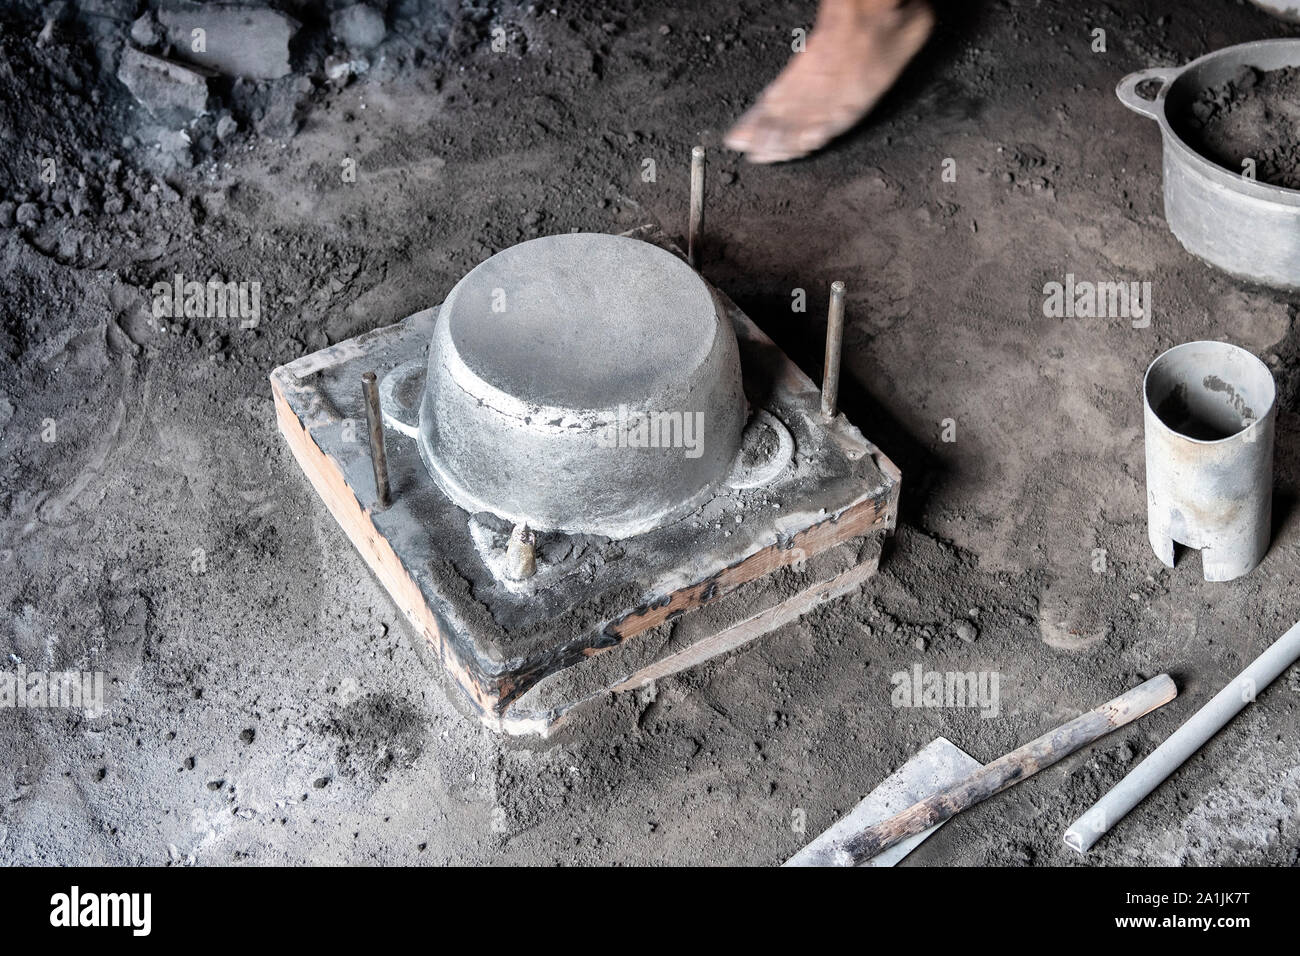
1209, 418
1184, 742
834, 345
375, 423
696, 225
1008, 770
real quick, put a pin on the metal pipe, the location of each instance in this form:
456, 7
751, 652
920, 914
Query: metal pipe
375, 422
1184, 742
696, 224
834, 345
1209, 414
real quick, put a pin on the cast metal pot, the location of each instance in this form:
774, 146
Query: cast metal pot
582, 383
1283, 9
1247, 228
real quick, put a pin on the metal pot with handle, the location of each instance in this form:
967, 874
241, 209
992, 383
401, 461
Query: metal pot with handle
1247, 228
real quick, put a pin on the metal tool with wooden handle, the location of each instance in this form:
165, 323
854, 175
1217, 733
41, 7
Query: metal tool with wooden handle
1008, 770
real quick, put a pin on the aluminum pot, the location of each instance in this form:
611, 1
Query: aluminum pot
1247, 228
1282, 9
582, 383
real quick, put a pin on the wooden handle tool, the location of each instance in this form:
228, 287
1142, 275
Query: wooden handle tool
1006, 771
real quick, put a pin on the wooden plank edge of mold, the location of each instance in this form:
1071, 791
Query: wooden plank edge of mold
354, 519
869, 514
489, 704
545, 723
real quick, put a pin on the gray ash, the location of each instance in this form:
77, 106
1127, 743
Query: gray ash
1253, 116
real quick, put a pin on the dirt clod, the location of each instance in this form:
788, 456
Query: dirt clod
1247, 125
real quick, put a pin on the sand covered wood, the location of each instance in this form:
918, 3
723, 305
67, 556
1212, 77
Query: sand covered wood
598, 595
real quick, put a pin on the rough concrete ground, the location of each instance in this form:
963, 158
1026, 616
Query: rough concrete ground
265, 703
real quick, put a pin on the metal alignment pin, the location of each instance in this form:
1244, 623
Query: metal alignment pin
834, 344
697, 204
521, 553
375, 421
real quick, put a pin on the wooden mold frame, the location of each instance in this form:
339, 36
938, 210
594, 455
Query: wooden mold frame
525, 661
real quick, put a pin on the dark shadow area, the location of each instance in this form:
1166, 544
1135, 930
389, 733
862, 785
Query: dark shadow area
802, 336
1284, 506
926, 82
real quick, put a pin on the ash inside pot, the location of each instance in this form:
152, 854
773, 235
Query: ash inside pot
1253, 116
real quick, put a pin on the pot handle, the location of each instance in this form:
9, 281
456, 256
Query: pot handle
397, 415
1127, 89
